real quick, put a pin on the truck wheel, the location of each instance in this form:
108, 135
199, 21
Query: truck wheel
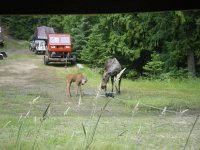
46, 60
47, 53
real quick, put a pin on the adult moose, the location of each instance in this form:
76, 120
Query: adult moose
112, 68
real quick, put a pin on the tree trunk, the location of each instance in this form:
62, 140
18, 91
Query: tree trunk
191, 63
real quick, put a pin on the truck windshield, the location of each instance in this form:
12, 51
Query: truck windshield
63, 40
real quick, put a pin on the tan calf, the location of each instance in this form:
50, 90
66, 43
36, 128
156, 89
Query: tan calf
79, 79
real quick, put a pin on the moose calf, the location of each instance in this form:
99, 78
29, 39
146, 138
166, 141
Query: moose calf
79, 78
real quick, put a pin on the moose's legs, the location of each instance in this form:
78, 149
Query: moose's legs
119, 84
112, 81
118, 89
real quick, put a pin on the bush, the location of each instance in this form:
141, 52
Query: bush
132, 74
175, 74
154, 67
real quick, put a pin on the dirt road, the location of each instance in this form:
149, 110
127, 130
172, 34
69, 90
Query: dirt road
21, 72
18, 73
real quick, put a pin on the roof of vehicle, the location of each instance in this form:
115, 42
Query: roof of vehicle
42, 32
39, 41
59, 39
59, 35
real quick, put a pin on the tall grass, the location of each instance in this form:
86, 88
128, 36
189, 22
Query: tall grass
11, 43
44, 116
90, 138
19, 133
191, 131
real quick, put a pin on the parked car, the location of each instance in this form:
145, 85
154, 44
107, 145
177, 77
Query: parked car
38, 46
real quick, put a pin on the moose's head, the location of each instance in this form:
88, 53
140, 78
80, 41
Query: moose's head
105, 79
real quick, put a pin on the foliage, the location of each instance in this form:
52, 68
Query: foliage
56, 22
23, 26
154, 67
132, 74
95, 53
131, 38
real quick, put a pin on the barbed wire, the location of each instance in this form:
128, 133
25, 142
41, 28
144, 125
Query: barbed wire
154, 107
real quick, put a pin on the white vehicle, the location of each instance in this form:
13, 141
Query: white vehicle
38, 46
40, 39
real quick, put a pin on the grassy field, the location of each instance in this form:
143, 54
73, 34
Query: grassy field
146, 115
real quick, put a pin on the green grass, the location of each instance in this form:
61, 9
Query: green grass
117, 129
14, 44
176, 94
61, 132
15, 50
66, 132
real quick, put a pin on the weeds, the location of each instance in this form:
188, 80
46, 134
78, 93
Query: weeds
191, 131
7, 124
19, 133
91, 138
44, 116
66, 111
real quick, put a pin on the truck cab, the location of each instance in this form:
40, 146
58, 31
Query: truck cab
59, 43
59, 49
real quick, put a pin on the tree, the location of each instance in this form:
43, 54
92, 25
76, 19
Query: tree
95, 52
56, 22
23, 26
154, 67
174, 36
186, 37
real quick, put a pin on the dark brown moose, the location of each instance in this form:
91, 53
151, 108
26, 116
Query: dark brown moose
112, 68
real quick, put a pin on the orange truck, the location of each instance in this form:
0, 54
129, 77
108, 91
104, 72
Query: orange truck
59, 49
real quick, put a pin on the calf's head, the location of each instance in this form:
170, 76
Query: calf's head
84, 80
